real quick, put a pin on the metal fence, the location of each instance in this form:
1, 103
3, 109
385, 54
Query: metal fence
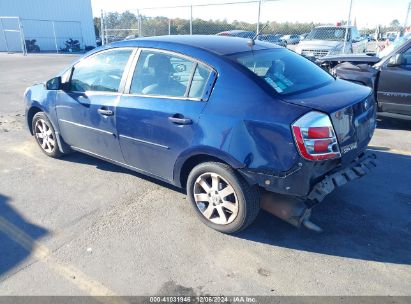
12, 34
35, 35
205, 19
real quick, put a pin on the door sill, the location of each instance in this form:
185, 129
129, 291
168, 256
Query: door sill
115, 162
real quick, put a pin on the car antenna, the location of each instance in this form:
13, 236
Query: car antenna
251, 41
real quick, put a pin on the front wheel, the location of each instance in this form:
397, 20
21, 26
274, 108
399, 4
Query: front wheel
45, 136
222, 199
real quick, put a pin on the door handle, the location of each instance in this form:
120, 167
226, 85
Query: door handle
179, 119
105, 112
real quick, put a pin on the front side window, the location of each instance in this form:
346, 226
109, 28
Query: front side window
285, 71
100, 72
168, 75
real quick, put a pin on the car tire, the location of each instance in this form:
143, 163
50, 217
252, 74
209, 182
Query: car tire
45, 135
222, 199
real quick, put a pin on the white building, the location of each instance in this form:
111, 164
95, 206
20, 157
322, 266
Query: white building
50, 22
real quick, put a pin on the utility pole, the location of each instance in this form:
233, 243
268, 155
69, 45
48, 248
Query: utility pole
407, 15
55, 36
102, 28
258, 17
191, 19
139, 24
347, 27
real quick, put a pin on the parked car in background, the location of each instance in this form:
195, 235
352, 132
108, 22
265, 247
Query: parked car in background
302, 36
273, 39
367, 37
291, 39
113, 38
391, 36
227, 120
388, 73
237, 33
132, 36
329, 40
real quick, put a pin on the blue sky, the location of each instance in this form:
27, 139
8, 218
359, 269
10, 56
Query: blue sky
368, 13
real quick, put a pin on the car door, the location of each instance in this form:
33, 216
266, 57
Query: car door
86, 108
157, 117
394, 86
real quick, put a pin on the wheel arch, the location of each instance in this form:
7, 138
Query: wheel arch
185, 163
33, 110
30, 115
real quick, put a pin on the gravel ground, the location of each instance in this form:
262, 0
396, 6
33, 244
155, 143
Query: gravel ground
81, 226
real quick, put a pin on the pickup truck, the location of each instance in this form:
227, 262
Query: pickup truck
388, 73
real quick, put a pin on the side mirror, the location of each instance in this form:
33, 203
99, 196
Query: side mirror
396, 60
54, 84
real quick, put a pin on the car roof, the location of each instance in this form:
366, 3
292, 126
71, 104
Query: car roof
220, 45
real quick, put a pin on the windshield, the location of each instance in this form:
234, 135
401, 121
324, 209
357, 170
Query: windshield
393, 46
327, 33
285, 71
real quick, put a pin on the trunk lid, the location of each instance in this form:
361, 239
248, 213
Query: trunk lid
358, 58
351, 108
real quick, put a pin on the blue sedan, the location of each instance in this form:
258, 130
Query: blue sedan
230, 120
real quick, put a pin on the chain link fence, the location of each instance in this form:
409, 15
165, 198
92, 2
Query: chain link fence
35, 35
55, 36
317, 28
12, 36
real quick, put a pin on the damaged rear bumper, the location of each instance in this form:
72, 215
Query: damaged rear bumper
296, 210
358, 168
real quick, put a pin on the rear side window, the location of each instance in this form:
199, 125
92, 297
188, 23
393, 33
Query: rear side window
100, 72
161, 74
200, 80
285, 71
168, 75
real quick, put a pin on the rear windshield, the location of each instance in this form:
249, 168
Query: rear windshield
285, 71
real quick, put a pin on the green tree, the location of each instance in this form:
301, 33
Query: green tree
97, 26
395, 23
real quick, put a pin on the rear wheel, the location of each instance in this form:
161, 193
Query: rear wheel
45, 136
222, 199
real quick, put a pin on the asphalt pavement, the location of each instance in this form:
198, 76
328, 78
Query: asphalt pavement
81, 226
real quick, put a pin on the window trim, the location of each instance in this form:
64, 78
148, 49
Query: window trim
213, 76
190, 82
123, 76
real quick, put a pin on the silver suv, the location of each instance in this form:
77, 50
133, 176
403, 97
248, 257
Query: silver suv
329, 40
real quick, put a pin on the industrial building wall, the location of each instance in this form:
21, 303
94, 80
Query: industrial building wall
72, 19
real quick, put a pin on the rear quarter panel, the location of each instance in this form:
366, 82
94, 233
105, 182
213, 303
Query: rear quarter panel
244, 120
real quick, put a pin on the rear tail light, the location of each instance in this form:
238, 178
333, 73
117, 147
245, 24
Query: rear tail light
315, 137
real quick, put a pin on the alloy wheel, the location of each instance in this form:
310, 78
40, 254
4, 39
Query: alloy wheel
44, 136
215, 198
